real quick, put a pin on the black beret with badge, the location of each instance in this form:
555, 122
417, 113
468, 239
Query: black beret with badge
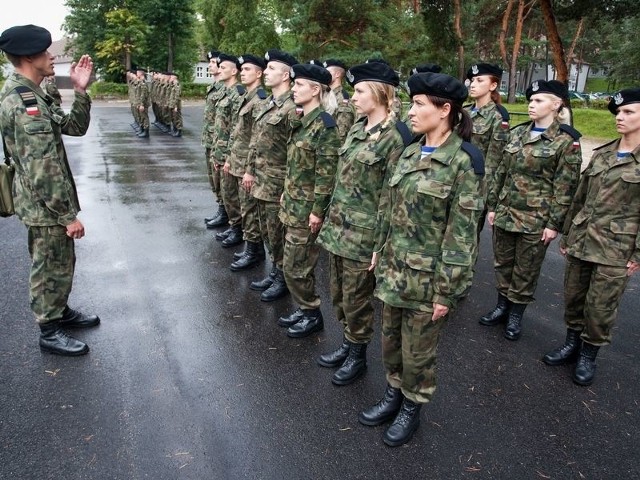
426, 67
312, 72
212, 54
554, 87
254, 60
275, 55
484, 69
623, 97
23, 40
372, 72
225, 57
437, 85
334, 62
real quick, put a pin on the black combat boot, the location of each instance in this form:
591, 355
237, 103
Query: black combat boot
405, 424
54, 340
277, 289
251, 258
176, 132
514, 323
566, 353
291, 319
266, 282
310, 322
499, 314
353, 367
221, 218
135, 126
144, 133
336, 357
586, 366
234, 238
73, 319
220, 236
383, 411
259, 251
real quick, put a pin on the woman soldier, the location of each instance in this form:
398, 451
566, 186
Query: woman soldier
367, 158
425, 244
529, 198
602, 245
312, 157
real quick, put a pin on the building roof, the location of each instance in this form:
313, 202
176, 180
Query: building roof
57, 50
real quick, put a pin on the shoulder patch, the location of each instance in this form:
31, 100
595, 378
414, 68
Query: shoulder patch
606, 144
328, 120
503, 112
28, 99
241, 90
477, 159
575, 134
405, 132
262, 94
523, 124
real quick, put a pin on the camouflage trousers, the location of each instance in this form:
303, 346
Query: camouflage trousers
143, 118
53, 261
592, 294
272, 230
249, 212
300, 258
518, 259
214, 178
156, 111
409, 343
135, 114
352, 285
231, 198
176, 117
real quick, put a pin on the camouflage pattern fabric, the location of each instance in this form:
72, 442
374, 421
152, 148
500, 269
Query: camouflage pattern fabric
141, 99
225, 117
231, 198
214, 93
249, 211
345, 114
300, 258
175, 105
272, 230
52, 90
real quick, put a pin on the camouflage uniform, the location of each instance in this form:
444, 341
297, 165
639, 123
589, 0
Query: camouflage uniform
214, 93
427, 236
45, 195
141, 99
312, 158
367, 159
345, 114
532, 191
174, 103
602, 235
51, 89
267, 162
225, 116
240, 139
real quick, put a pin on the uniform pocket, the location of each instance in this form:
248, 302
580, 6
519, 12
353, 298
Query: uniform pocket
415, 281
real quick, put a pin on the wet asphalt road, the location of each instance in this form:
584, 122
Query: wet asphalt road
189, 377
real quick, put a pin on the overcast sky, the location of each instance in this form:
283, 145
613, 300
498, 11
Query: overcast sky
44, 13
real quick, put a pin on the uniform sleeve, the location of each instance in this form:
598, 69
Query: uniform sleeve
76, 122
326, 163
565, 183
496, 182
497, 142
577, 203
460, 239
384, 202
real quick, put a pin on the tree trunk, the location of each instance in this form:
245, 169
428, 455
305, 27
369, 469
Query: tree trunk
517, 39
555, 41
457, 16
502, 38
170, 53
574, 41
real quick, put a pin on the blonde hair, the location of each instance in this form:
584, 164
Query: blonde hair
327, 99
383, 93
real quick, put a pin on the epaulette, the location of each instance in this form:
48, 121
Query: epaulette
521, 124
28, 96
241, 90
503, 112
328, 120
575, 134
606, 144
404, 132
477, 159
262, 94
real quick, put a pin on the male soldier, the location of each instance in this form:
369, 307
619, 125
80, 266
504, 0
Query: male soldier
345, 115
225, 116
267, 165
175, 105
131, 91
214, 93
51, 89
251, 68
141, 99
45, 194
602, 241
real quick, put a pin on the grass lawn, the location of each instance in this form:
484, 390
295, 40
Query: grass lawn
595, 124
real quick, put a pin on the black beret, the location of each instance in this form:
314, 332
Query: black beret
438, 85
311, 72
254, 60
211, 54
426, 67
315, 61
376, 60
624, 97
24, 40
274, 55
554, 87
225, 57
484, 69
372, 72
334, 62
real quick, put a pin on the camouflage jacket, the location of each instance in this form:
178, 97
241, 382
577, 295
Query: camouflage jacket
44, 190
226, 114
241, 134
345, 114
536, 180
174, 95
312, 158
428, 232
603, 222
51, 89
141, 94
267, 159
214, 93
367, 159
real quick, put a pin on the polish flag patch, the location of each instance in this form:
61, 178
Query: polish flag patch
33, 110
